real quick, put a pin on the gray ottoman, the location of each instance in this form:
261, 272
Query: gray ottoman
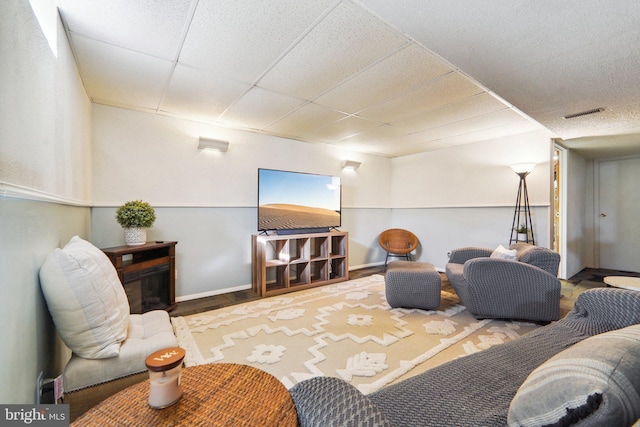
412, 285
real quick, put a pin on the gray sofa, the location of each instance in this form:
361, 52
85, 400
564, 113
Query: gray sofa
478, 390
493, 287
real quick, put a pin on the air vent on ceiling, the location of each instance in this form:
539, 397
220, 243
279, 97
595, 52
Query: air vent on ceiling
583, 113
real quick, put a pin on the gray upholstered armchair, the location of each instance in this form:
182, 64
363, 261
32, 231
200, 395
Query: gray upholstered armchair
491, 287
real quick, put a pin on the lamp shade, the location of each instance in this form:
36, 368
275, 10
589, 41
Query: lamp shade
523, 167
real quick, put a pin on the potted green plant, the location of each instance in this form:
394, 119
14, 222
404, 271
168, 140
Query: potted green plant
135, 217
523, 233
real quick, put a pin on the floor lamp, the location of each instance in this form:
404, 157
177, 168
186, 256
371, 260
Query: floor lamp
522, 226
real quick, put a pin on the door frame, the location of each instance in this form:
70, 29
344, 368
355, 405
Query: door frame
559, 233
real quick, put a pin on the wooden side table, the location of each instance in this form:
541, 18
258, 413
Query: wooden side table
219, 394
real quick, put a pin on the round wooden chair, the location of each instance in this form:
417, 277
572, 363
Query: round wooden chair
398, 243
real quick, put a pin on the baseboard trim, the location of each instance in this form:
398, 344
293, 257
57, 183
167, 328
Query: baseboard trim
212, 293
361, 266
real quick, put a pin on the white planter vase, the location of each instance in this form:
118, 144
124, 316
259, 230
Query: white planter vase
135, 236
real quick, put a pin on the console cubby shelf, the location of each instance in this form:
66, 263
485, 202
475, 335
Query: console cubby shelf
285, 263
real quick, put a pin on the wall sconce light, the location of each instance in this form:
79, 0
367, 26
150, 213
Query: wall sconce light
350, 164
213, 144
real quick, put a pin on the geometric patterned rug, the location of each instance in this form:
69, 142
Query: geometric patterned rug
345, 330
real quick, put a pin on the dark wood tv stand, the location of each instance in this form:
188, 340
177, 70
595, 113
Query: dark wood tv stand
286, 263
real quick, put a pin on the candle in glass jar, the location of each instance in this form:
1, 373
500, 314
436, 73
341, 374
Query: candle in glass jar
164, 377
164, 388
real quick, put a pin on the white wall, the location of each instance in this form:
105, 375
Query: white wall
473, 174
579, 214
465, 195
44, 155
207, 201
45, 116
142, 155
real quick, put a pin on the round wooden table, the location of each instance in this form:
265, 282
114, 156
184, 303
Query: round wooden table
624, 282
220, 394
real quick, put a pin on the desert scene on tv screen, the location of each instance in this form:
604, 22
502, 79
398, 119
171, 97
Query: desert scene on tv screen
280, 216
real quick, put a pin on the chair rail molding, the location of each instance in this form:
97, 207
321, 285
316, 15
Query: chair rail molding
21, 192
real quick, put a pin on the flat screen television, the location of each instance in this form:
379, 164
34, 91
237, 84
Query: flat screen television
297, 202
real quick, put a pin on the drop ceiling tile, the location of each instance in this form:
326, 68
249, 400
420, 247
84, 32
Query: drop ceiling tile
343, 43
513, 35
423, 147
463, 130
410, 67
376, 134
409, 144
491, 133
149, 26
476, 105
378, 148
341, 129
259, 108
305, 118
446, 90
240, 39
206, 100
547, 98
114, 74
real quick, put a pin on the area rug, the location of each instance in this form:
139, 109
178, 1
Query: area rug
345, 330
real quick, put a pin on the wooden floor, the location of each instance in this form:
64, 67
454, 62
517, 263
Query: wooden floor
199, 305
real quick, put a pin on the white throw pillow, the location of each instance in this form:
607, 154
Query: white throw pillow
86, 299
504, 253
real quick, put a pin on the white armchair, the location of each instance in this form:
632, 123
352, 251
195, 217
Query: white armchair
90, 310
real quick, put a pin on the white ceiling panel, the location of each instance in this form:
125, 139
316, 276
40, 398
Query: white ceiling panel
408, 68
258, 108
342, 44
377, 134
342, 129
487, 121
451, 88
119, 75
200, 94
474, 106
149, 26
422, 141
501, 131
479, 35
410, 144
372, 140
380, 146
241, 39
548, 98
436, 73
546, 58
309, 116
